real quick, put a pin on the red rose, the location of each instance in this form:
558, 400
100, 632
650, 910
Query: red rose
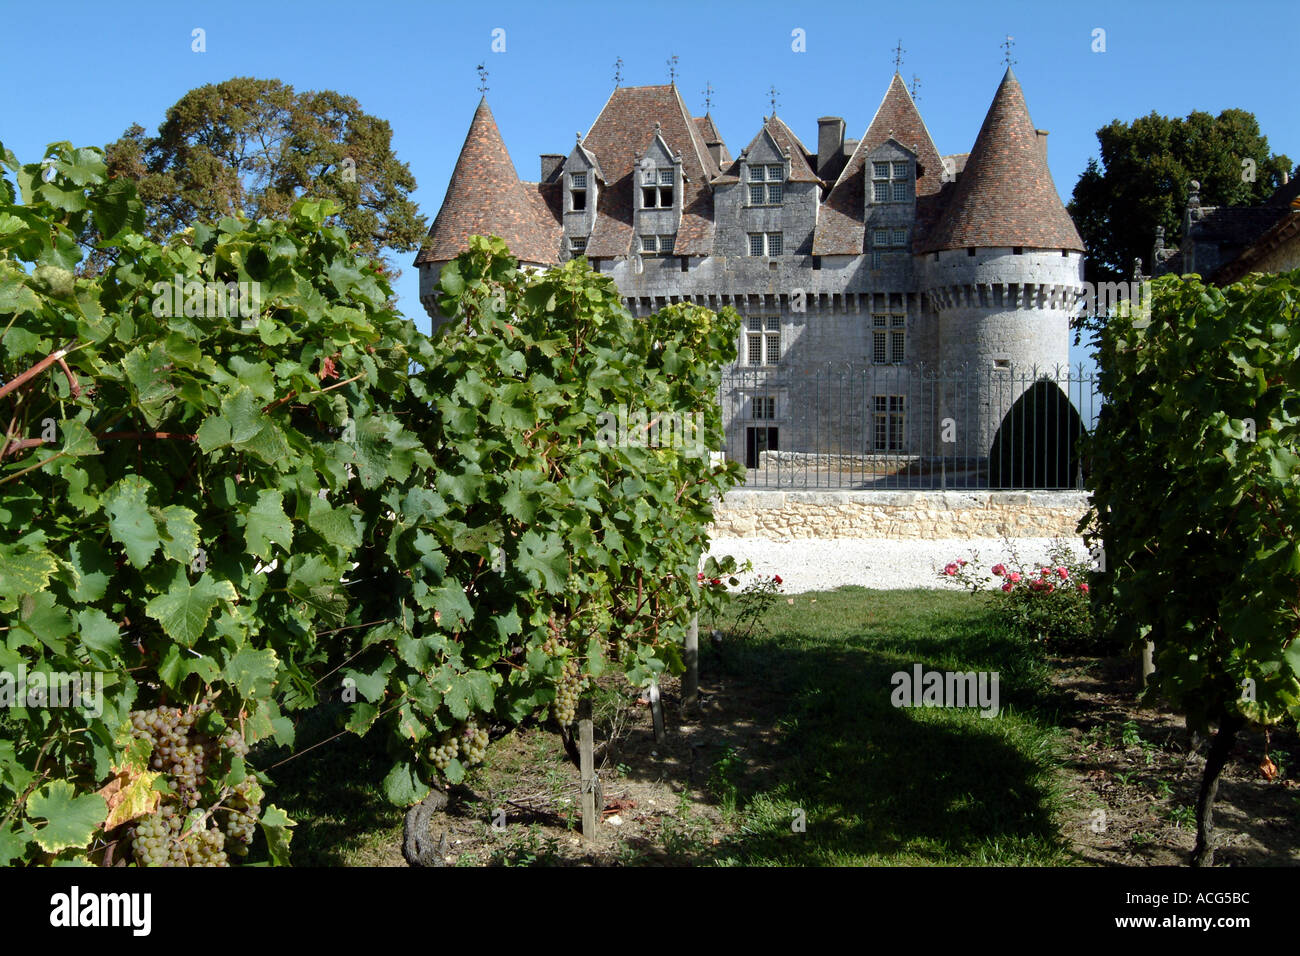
950, 569
1062, 573
999, 569
1083, 588
776, 578
1007, 585
716, 581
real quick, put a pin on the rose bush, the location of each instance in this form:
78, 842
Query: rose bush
1043, 602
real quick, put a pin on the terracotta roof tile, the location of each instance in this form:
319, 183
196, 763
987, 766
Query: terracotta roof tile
621, 134
485, 197
1005, 195
840, 224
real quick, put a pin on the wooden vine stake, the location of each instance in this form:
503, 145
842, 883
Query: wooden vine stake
691, 679
587, 766
657, 712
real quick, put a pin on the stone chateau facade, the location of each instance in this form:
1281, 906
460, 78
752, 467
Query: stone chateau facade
879, 253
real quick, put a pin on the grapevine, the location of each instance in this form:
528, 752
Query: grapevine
296, 517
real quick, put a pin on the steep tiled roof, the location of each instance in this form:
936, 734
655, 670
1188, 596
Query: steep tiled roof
485, 197
709, 132
840, 226
801, 161
1005, 196
621, 134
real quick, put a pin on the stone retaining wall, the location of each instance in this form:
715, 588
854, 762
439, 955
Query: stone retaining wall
919, 515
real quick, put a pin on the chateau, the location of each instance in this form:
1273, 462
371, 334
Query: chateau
878, 254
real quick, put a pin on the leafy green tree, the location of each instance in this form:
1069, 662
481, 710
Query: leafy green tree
1142, 182
252, 147
1196, 491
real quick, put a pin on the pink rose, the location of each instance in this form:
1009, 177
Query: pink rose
950, 569
1062, 573
700, 576
999, 569
1014, 577
1083, 588
962, 562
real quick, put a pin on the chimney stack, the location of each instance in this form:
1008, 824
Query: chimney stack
551, 163
830, 140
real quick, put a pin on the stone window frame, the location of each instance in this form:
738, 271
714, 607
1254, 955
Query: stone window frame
888, 421
893, 184
762, 337
578, 187
654, 181
766, 243
657, 245
769, 179
888, 338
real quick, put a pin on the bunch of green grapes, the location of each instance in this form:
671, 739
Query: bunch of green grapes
475, 743
190, 759
154, 837
179, 749
241, 811
206, 847
447, 750
160, 840
567, 691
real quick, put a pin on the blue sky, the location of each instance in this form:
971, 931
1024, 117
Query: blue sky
84, 72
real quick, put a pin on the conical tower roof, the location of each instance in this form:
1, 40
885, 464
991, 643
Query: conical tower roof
486, 198
1005, 196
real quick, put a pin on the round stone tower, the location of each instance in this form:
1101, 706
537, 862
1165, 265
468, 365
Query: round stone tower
1003, 271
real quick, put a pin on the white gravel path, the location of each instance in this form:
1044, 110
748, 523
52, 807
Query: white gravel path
820, 565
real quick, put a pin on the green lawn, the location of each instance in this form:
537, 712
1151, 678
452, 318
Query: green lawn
877, 785
881, 785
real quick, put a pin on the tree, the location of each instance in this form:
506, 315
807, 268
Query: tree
1142, 181
253, 147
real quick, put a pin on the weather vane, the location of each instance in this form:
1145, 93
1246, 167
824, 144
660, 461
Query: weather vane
898, 55
672, 68
482, 78
1007, 44
708, 96
916, 87
618, 72
772, 94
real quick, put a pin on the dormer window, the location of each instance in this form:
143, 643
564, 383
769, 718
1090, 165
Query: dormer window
578, 190
657, 189
657, 245
766, 185
891, 181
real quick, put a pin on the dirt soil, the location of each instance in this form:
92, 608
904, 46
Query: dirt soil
659, 808
1130, 776
1135, 775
